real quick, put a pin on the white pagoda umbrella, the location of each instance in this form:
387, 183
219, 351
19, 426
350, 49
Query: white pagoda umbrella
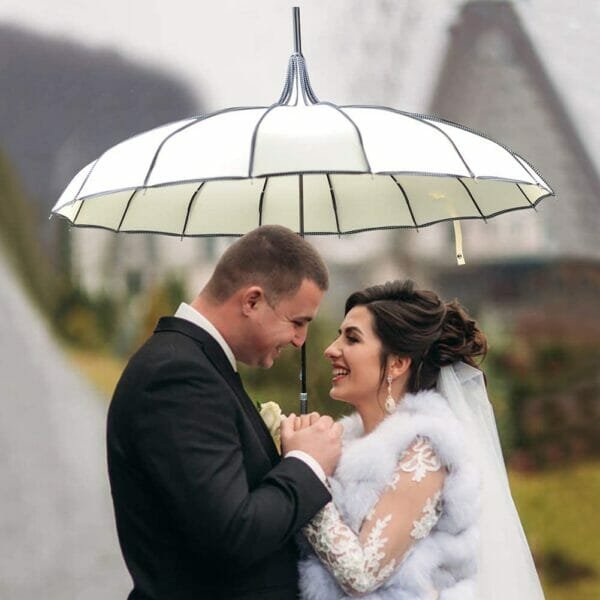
313, 166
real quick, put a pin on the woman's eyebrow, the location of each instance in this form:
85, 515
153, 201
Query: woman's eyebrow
351, 329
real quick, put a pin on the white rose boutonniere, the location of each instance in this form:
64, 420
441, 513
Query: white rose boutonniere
271, 414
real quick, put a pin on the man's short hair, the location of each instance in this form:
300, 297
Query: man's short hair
271, 256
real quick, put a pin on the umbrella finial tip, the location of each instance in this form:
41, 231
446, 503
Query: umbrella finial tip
297, 40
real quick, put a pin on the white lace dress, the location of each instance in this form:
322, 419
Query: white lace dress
406, 511
403, 522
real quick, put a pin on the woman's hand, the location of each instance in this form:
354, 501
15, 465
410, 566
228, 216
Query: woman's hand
315, 435
303, 421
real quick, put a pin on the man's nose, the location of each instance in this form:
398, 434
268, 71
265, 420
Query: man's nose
299, 337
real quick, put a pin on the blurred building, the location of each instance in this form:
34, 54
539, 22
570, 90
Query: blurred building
494, 80
497, 67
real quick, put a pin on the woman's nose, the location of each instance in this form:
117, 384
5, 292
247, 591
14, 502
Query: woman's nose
332, 350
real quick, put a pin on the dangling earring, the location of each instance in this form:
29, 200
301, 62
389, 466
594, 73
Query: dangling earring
390, 403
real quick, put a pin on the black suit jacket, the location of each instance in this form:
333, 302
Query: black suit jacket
205, 507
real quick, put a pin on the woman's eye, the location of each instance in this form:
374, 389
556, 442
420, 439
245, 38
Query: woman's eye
351, 340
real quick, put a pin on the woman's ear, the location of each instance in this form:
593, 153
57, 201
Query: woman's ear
399, 366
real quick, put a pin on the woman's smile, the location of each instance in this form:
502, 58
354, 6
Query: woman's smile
355, 359
339, 373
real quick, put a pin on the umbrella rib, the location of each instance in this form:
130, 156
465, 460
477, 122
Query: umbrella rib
334, 204
287, 173
78, 211
126, 209
360, 140
194, 121
421, 119
88, 175
405, 196
472, 198
254, 135
527, 197
260, 202
324, 233
462, 158
189, 208
287, 86
160, 147
513, 154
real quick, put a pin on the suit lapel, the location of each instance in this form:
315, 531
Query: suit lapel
217, 357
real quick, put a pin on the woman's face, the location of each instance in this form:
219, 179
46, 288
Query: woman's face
355, 358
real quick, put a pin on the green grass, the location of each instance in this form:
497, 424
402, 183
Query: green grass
559, 510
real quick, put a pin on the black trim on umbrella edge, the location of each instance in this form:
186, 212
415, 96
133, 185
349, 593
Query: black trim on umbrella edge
473, 199
77, 213
89, 173
260, 202
253, 139
321, 233
189, 208
512, 154
291, 173
527, 167
527, 197
160, 147
453, 123
333, 203
126, 209
194, 120
356, 128
410, 210
424, 122
301, 204
419, 116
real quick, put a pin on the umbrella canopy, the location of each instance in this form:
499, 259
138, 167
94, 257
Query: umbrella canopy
312, 166
363, 167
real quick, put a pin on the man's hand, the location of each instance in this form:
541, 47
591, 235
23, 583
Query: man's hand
318, 436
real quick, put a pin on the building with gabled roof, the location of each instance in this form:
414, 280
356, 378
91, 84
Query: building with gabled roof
494, 80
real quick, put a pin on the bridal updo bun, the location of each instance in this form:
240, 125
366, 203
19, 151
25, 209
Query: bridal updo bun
417, 323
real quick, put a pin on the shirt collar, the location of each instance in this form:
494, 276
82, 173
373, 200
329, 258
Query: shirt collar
189, 313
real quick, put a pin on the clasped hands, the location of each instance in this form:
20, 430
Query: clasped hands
319, 436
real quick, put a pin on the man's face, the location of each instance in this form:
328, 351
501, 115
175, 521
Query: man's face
271, 328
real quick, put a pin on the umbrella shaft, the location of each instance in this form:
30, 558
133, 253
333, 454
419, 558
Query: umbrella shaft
297, 40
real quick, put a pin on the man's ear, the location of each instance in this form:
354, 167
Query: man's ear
250, 298
398, 365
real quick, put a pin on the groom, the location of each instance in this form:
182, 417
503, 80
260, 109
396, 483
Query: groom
205, 506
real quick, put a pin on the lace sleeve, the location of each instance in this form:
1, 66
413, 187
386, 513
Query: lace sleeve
406, 511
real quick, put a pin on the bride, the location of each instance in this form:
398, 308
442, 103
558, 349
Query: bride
421, 506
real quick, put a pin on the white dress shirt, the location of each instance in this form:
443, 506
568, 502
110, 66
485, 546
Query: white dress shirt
189, 313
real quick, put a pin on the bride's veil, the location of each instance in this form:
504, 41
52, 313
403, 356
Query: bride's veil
505, 566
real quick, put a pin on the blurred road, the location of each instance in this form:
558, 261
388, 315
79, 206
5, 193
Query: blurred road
57, 535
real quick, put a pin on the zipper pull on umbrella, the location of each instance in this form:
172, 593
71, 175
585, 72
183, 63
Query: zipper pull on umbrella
460, 258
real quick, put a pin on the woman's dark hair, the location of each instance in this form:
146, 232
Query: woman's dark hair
418, 324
